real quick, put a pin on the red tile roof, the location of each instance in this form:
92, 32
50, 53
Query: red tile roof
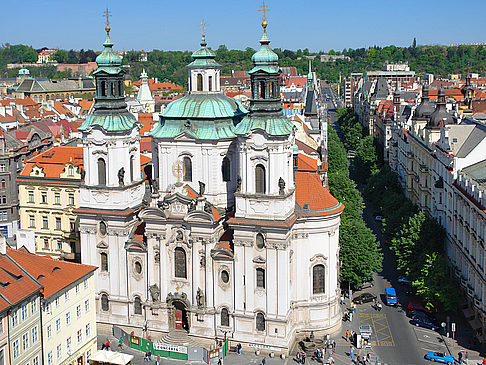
147, 122
54, 275
53, 160
306, 163
15, 283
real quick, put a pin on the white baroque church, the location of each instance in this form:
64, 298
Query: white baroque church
231, 234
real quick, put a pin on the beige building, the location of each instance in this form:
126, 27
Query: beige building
48, 193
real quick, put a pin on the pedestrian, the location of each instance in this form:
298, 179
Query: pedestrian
298, 357
333, 345
263, 361
342, 299
158, 360
219, 361
347, 335
351, 352
303, 358
466, 357
120, 343
459, 357
146, 357
368, 357
107, 345
379, 306
331, 361
350, 316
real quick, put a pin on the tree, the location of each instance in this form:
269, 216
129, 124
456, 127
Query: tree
365, 159
359, 254
336, 154
414, 43
344, 190
72, 56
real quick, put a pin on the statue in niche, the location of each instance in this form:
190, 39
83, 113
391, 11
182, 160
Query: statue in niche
82, 173
200, 298
121, 176
192, 206
202, 260
179, 236
202, 188
281, 186
238, 184
156, 256
154, 293
155, 186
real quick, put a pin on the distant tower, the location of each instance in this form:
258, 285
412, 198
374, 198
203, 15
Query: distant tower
468, 91
145, 95
113, 187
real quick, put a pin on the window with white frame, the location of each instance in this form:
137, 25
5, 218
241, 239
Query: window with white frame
86, 306
68, 318
58, 325
85, 283
50, 359
79, 336
34, 335
77, 288
59, 351
88, 330
78, 311
33, 306
58, 223
15, 348
25, 341
71, 199
35, 360
31, 196
24, 312
66, 295
2, 357
31, 221
48, 308
44, 197
57, 198
49, 331
15, 318
57, 301
2, 167
68, 344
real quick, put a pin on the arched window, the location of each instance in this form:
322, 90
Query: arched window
103, 88
210, 81
104, 261
260, 241
226, 169
101, 172
71, 170
260, 322
224, 317
180, 263
199, 82
187, 169
260, 277
260, 179
132, 158
318, 276
4, 184
262, 89
104, 303
137, 306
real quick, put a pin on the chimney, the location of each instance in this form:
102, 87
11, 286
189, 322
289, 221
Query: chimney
3, 244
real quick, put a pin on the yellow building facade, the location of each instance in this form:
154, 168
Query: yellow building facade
48, 194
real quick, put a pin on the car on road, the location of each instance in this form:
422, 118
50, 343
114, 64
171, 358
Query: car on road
439, 357
420, 321
365, 331
364, 298
367, 284
404, 280
379, 218
391, 296
417, 306
413, 313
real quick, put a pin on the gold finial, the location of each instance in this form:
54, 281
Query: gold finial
264, 10
107, 15
204, 27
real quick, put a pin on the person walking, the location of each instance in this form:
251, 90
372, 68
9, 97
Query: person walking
347, 335
350, 316
157, 362
333, 345
303, 358
342, 299
459, 357
264, 361
351, 352
298, 358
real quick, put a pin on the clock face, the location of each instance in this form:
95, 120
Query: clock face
178, 170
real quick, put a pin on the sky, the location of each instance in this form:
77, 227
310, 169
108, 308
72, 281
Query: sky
175, 24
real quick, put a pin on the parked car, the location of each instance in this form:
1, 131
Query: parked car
404, 280
416, 306
440, 357
379, 218
364, 298
367, 284
420, 321
365, 331
391, 296
414, 313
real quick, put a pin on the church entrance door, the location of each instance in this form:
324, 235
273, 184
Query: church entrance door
180, 316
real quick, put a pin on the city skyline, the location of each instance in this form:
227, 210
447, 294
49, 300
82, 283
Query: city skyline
153, 26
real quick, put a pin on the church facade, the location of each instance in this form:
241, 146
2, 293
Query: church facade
231, 235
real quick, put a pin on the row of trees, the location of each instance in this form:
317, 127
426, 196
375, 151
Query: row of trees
416, 239
360, 254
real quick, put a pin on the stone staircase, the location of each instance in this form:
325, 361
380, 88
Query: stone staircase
179, 338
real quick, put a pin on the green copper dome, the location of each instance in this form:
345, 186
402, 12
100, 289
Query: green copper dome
110, 121
108, 58
265, 59
204, 56
204, 106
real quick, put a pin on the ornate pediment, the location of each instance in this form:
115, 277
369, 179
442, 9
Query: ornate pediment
259, 260
102, 245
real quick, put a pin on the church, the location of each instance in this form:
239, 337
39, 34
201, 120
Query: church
231, 234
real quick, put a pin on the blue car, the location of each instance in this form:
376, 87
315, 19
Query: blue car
440, 357
423, 322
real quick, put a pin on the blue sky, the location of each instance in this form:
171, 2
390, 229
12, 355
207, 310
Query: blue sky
174, 24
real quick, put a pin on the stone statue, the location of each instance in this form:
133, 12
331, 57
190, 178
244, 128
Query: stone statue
154, 292
121, 176
238, 184
202, 188
207, 208
179, 236
200, 298
82, 173
155, 186
281, 186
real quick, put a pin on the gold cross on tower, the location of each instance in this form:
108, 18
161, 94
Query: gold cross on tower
203, 27
264, 10
107, 15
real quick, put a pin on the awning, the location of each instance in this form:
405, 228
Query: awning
475, 324
111, 357
468, 312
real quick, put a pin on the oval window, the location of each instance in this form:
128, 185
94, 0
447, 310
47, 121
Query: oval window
138, 267
260, 241
224, 276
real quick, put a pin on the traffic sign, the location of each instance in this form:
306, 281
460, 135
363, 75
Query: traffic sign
463, 351
443, 324
453, 327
